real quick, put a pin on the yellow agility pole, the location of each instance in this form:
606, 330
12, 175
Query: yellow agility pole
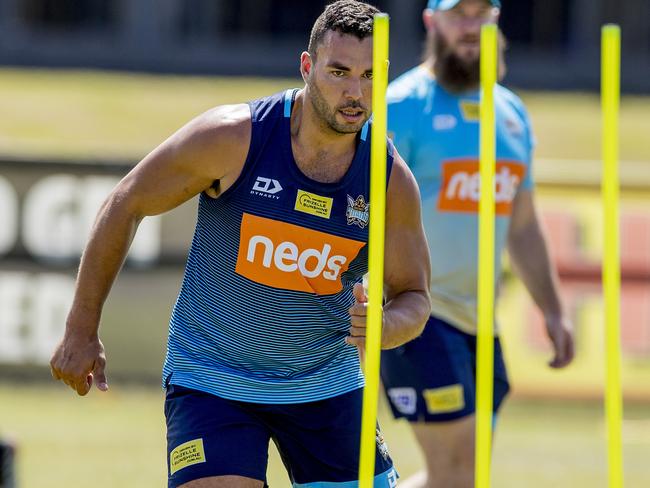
610, 73
375, 250
485, 338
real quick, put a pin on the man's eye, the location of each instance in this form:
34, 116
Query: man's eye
368, 75
338, 73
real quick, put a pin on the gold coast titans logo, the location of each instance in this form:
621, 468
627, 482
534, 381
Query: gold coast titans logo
357, 212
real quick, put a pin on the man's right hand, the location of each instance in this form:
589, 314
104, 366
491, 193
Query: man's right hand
79, 361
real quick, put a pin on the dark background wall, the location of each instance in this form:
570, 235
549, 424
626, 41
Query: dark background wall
554, 43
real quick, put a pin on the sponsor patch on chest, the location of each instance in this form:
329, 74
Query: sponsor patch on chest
313, 204
358, 212
291, 257
460, 188
470, 110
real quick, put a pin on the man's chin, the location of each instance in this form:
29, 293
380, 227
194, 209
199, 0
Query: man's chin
468, 57
347, 127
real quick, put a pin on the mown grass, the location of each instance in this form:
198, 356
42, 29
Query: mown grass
92, 114
117, 439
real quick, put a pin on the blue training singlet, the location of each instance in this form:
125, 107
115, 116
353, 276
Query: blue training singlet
437, 134
262, 314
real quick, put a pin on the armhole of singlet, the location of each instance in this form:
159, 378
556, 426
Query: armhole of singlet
390, 158
364, 131
253, 146
289, 98
390, 148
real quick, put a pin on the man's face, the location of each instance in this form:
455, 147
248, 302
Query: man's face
460, 27
457, 41
339, 81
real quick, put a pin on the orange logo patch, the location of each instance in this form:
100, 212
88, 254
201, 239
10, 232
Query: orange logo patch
461, 184
291, 257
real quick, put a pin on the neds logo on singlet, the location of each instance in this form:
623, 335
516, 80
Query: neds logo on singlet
291, 257
461, 186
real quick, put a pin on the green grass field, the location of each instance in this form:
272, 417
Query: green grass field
117, 440
104, 115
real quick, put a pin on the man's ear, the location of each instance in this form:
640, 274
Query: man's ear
306, 64
428, 19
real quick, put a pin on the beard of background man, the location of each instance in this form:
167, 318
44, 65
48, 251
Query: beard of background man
454, 73
327, 114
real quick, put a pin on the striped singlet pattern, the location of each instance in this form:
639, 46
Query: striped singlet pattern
262, 313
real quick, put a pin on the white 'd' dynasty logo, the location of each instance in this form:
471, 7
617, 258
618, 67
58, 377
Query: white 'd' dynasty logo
404, 400
444, 122
266, 187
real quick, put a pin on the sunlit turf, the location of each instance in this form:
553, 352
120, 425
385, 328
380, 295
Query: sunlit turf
118, 439
100, 115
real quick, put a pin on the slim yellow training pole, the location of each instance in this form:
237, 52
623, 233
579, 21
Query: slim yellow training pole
485, 340
610, 72
375, 250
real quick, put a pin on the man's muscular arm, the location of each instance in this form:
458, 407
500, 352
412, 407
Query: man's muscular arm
211, 147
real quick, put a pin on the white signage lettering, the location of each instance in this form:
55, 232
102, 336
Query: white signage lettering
33, 310
8, 216
59, 212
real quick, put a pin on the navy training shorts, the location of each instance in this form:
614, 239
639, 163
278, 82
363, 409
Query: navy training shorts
318, 441
433, 377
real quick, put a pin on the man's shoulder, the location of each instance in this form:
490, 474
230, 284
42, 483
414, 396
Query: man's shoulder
510, 97
272, 106
224, 130
233, 114
231, 120
411, 86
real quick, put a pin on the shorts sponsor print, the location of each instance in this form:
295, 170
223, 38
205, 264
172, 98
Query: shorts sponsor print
186, 454
404, 400
445, 399
433, 377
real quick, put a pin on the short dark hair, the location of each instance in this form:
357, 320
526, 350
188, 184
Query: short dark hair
344, 16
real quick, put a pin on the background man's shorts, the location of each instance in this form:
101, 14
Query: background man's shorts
318, 441
432, 378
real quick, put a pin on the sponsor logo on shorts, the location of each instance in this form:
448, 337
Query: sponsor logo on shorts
445, 400
187, 454
291, 257
461, 186
391, 478
382, 447
403, 399
358, 211
313, 204
444, 122
266, 187
470, 110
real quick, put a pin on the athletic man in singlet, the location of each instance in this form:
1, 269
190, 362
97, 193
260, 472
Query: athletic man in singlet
263, 337
433, 114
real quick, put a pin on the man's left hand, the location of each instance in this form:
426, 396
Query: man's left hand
560, 331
